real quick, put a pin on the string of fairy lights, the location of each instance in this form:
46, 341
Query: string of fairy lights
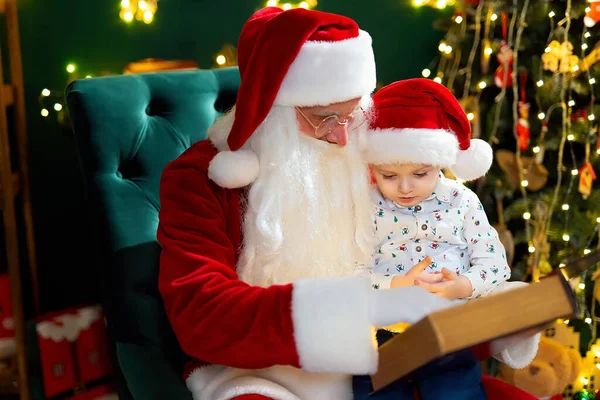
446, 52
139, 10
51, 101
537, 216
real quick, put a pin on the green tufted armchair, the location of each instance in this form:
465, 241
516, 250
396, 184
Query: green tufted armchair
127, 128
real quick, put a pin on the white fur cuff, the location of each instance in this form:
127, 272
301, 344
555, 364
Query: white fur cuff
516, 352
332, 330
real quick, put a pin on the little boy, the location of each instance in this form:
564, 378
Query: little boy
418, 129
431, 231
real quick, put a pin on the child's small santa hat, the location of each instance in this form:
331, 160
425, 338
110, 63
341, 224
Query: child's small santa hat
420, 121
290, 58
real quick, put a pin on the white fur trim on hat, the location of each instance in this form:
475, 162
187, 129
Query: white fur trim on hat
418, 146
234, 169
329, 72
474, 162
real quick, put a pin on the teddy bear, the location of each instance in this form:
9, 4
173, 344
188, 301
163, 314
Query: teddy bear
554, 367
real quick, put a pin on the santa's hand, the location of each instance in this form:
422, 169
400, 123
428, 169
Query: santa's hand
404, 304
450, 287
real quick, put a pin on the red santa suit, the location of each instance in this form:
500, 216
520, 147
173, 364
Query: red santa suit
301, 340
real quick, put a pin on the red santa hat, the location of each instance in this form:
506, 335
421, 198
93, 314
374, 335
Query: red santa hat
297, 57
420, 121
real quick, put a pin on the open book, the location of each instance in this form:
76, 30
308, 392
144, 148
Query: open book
476, 324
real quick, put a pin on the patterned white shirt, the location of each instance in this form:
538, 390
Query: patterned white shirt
450, 226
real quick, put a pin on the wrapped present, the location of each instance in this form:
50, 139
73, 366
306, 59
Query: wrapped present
91, 345
7, 330
73, 349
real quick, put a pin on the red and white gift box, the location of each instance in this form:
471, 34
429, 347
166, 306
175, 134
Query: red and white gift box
7, 331
73, 349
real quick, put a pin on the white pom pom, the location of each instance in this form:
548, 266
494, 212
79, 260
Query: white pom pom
234, 169
474, 162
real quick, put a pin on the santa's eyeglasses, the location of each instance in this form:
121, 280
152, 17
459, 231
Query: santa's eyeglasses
331, 122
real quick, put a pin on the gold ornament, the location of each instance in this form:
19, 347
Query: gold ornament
586, 178
559, 57
533, 172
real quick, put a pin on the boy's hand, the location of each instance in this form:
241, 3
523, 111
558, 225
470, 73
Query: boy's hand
450, 286
416, 272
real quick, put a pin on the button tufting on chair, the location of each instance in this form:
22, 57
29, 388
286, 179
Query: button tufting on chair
127, 128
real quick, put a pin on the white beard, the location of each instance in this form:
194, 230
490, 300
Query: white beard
308, 213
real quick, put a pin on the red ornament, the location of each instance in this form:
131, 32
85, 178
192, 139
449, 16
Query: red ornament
503, 75
523, 131
579, 115
593, 16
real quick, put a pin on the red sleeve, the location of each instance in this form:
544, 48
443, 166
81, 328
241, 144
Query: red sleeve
216, 317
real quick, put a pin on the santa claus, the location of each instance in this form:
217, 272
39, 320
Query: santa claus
262, 224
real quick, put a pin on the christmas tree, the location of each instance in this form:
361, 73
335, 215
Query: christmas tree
526, 72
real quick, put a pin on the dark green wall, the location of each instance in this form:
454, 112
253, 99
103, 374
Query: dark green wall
90, 34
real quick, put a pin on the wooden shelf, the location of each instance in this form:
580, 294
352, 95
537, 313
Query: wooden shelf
14, 185
16, 181
8, 91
